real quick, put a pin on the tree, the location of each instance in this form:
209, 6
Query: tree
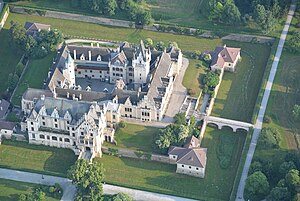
264, 18
109, 7
87, 178
183, 133
143, 17
12, 81
294, 42
160, 46
231, 13
292, 179
211, 79
121, 197
207, 58
279, 194
296, 112
173, 44
269, 138
180, 119
285, 167
257, 187
148, 43
215, 10
255, 166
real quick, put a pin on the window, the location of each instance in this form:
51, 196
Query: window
121, 75
79, 72
54, 138
114, 69
68, 122
174, 156
114, 116
32, 129
42, 136
182, 165
55, 120
114, 74
190, 167
67, 140
56, 126
82, 133
31, 123
91, 71
85, 71
130, 74
93, 75
100, 71
60, 139
197, 168
48, 137
73, 134
43, 118
33, 136
44, 123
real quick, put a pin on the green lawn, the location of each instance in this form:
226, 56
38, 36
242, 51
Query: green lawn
9, 58
191, 13
76, 28
159, 177
32, 158
10, 190
238, 91
135, 137
193, 77
34, 76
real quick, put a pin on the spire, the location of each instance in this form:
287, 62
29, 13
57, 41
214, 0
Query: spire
69, 60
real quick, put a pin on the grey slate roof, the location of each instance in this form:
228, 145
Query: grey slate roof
3, 108
31, 94
76, 108
7, 125
195, 157
95, 52
31, 26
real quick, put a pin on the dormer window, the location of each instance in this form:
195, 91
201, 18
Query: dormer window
82, 57
99, 58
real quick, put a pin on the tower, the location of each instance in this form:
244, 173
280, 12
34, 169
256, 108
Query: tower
141, 63
68, 70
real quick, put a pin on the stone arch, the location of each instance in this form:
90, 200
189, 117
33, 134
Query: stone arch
228, 126
242, 129
213, 124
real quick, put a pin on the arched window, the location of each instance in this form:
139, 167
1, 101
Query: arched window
54, 138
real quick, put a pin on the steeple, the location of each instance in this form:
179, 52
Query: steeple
69, 61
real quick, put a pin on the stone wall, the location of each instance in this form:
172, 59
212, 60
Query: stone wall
138, 155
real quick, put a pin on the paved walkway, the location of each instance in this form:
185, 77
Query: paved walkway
70, 190
263, 106
178, 94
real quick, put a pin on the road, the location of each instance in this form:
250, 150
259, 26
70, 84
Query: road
263, 106
70, 190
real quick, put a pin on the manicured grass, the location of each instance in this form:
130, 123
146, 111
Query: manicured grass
238, 91
9, 58
12, 116
159, 177
135, 137
76, 28
34, 76
10, 190
193, 77
32, 158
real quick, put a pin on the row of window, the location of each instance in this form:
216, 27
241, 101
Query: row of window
128, 109
52, 138
190, 167
146, 114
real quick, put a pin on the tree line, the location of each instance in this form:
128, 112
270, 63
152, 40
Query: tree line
265, 13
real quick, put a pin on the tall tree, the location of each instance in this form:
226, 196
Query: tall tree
257, 187
87, 178
279, 194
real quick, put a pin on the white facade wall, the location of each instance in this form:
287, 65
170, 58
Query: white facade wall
93, 74
190, 170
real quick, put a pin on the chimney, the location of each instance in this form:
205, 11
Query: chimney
80, 96
42, 97
74, 54
90, 55
73, 96
92, 44
97, 44
68, 95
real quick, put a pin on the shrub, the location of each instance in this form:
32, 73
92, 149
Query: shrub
139, 154
122, 124
51, 189
269, 138
29, 11
267, 119
41, 12
113, 151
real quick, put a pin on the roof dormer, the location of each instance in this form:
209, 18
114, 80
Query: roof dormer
82, 57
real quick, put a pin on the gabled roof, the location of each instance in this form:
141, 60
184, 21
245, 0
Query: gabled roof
56, 80
31, 26
192, 142
194, 157
121, 57
3, 107
224, 54
7, 125
30, 94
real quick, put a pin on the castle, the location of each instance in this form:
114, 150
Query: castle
92, 88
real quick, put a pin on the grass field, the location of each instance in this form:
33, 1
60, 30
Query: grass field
76, 28
34, 76
31, 158
9, 58
238, 91
191, 13
193, 77
10, 190
135, 137
159, 177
